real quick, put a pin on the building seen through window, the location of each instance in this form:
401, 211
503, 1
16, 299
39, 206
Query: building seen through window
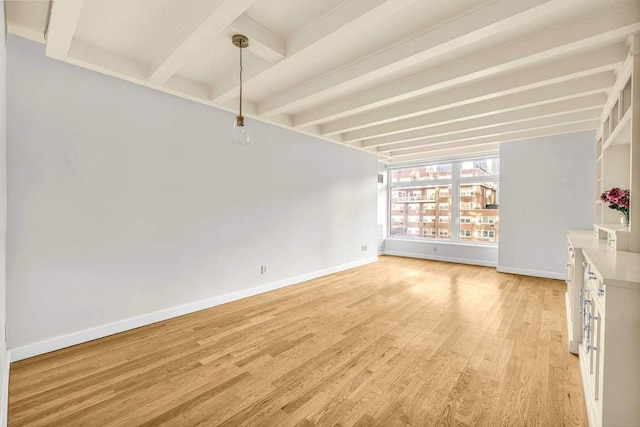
421, 201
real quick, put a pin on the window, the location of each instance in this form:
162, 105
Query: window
419, 202
421, 197
483, 210
421, 173
483, 167
485, 220
469, 205
484, 234
397, 219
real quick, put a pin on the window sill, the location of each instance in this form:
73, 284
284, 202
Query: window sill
445, 242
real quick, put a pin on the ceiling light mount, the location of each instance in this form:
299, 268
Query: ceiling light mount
240, 41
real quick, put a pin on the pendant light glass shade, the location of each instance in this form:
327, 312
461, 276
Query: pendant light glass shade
240, 133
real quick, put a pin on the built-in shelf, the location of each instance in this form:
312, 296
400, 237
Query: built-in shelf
621, 135
612, 228
616, 235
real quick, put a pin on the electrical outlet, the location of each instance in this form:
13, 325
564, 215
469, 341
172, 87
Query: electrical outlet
435, 249
263, 269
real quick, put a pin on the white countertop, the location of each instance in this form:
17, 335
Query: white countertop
583, 239
616, 268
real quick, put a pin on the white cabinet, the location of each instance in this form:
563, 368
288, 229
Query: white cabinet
577, 241
609, 309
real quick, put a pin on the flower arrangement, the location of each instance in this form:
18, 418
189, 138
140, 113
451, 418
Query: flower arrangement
618, 200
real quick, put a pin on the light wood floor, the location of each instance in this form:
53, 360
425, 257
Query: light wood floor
399, 342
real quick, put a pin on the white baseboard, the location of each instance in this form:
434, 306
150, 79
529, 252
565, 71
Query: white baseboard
4, 391
86, 335
534, 273
441, 258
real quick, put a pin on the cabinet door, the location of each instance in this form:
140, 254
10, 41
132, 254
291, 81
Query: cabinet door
586, 355
597, 350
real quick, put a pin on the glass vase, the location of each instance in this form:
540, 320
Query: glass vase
624, 220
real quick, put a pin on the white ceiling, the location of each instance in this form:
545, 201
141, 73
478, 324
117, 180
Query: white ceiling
405, 79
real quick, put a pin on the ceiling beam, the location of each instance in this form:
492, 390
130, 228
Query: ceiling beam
97, 58
502, 130
566, 68
487, 122
470, 27
211, 19
62, 27
527, 134
329, 32
504, 109
351, 16
447, 154
607, 28
262, 42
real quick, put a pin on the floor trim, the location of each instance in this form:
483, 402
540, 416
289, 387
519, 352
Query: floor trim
57, 343
534, 273
479, 262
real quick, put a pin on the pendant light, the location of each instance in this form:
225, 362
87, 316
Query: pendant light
240, 134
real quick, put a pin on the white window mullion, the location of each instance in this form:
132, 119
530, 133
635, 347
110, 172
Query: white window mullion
454, 206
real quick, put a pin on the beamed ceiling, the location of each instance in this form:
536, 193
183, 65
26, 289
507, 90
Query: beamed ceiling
405, 79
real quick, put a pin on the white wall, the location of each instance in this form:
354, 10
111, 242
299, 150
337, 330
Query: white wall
445, 251
123, 201
4, 372
547, 187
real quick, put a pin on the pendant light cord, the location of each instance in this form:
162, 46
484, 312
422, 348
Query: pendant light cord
240, 81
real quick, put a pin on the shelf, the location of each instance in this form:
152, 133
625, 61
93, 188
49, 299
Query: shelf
612, 228
621, 135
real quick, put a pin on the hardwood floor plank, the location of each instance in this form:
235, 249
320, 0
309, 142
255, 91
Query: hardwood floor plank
403, 342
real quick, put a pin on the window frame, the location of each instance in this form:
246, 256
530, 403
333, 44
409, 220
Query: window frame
454, 195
